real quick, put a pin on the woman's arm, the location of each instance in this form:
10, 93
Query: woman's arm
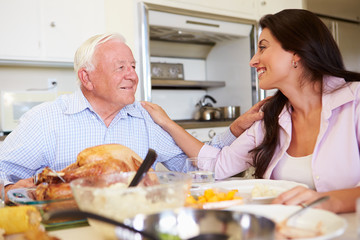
341, 201
190, 145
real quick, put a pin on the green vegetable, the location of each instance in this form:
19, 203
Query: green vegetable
167, 236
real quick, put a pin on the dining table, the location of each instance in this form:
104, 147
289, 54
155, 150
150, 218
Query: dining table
88, 232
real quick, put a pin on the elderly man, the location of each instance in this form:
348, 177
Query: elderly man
102, 111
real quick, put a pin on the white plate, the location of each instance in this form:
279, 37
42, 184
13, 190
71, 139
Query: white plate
332, 224
246, 186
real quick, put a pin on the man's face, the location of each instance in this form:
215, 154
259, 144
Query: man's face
114, 79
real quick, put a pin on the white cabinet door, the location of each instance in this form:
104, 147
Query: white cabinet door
47, 30
67, 23
236, 8
274, 6
20, 29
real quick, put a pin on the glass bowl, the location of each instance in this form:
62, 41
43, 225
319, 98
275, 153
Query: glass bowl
110, 196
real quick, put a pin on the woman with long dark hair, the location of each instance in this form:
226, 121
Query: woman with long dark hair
311, 127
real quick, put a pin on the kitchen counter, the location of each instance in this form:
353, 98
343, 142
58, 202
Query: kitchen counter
188, 124
89, 233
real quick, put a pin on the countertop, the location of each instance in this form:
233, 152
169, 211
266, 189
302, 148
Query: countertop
89, 233
189, 124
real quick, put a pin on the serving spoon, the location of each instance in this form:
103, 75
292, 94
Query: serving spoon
122, 229
144, 167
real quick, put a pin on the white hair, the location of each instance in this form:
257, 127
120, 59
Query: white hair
85, 53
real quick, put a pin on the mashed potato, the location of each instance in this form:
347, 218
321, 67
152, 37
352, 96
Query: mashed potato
263, 190
119, 202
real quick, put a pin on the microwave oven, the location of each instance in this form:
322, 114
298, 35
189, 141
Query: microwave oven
13, 104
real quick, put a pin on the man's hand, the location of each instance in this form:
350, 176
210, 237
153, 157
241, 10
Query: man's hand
247, 119
24, 183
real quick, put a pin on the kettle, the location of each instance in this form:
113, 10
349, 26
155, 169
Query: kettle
206, 111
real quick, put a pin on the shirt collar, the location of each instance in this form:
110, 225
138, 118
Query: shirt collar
78, 103
131, 110
336, 92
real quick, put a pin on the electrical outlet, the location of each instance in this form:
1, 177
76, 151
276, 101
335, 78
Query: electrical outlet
52, 83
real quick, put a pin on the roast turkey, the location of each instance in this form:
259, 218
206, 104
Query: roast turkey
93, 161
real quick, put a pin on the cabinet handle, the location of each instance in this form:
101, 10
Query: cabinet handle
52, 24
263, 3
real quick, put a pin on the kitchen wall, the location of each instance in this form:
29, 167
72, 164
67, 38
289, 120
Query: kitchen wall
24, 78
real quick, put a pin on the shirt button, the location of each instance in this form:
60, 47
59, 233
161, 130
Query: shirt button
317, 177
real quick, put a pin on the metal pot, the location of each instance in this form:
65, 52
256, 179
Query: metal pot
189, 223
208, 113
230, 112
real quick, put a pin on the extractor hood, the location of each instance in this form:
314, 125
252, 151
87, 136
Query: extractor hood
190, 37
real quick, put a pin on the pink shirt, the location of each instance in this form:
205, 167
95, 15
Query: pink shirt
336, 158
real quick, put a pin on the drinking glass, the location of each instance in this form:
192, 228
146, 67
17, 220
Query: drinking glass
199, 175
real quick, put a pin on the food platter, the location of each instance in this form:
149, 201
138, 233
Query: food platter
245, 188
25, 196
332, 225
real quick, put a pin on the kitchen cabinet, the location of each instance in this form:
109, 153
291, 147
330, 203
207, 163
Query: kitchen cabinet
237, 8
47, 31
20, 27
346, 35
246, 9
345, 10
343, 20
274, 6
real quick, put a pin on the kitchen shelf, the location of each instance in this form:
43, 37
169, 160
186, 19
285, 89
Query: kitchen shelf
160, 83
188, 124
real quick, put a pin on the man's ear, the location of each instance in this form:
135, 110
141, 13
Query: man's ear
84, 78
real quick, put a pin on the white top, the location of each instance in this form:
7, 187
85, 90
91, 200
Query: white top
296, 169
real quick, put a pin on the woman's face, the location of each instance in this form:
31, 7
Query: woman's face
273, 64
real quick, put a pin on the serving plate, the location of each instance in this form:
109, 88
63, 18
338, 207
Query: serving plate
332, 225
245, 187
26, 196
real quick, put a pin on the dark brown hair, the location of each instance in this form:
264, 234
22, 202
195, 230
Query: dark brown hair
303, 33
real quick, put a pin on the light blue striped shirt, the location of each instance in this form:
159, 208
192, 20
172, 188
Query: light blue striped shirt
52, 134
